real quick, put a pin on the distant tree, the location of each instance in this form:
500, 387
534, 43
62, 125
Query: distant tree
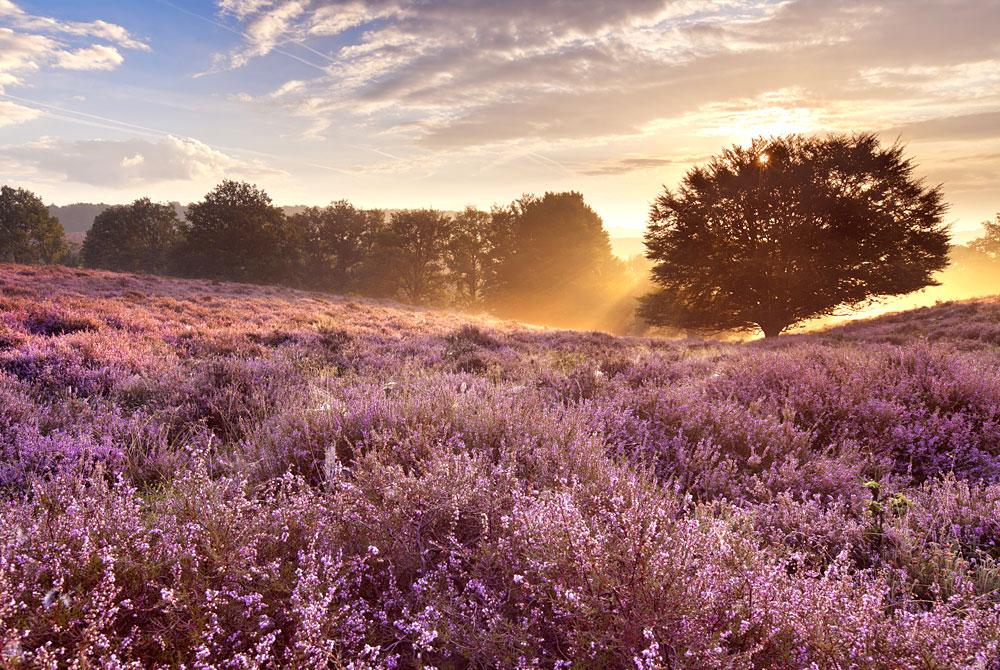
335, 242
792, 228
411, 254
558, 265
475, 250
989, 243
140, 237
28, 234
77, 217
236, 233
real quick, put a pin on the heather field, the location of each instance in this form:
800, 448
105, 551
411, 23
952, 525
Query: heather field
206, 475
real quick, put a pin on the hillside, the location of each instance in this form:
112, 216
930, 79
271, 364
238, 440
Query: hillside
77, 219
967, 324
224, 475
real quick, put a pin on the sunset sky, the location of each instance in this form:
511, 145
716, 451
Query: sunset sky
443, 103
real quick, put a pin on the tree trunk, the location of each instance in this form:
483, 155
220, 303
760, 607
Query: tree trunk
771, 330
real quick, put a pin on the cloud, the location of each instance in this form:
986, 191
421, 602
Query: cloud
13, 114
102, 30
982, 126
22, 53
30, 44
120, 163
453, 74
626, 165
96, 57
266, 30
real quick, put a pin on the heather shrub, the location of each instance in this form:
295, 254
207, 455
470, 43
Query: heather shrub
52, 323
218, 475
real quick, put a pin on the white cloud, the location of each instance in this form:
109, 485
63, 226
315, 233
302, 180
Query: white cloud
96, 57
288, 87
101, 30
244, 8
136, 162
133, 161
21, 53
29, 44
266, 30
13, 114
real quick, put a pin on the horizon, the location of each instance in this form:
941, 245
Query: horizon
393, 105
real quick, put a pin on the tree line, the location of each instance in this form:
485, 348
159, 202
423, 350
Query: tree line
761, 238
540, 258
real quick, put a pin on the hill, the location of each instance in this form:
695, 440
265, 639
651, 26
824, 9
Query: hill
224, 475
79, 217
966, 324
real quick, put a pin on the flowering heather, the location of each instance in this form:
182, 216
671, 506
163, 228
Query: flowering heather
207, 475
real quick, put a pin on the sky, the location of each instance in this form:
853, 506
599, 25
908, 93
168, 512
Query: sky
448, 103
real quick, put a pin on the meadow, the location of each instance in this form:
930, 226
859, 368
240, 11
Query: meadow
212, 475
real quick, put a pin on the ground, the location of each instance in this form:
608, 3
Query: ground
209, 475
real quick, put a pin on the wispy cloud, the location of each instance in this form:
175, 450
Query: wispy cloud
459, 73
96, 57
12, 113
626, 165
981, 126
136, 162
30, 43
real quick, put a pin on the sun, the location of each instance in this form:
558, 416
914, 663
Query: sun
743, 126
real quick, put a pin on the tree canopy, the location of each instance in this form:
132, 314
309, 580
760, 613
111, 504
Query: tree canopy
544, 259
475, 249
335, 242
790, 228
132, 238
28, 234
559, 260
235, 233
989, 243
412, 253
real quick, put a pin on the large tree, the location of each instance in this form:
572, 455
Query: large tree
236, 233
28, 234
335, 242
474, 251
140, 237
411, 254
786, 229
559, 266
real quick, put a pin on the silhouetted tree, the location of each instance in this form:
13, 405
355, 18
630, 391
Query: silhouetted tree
792, 228
236, 233
335, 242
140, 237
28, 234
411, 254
989, 243
559, 263
474, 251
